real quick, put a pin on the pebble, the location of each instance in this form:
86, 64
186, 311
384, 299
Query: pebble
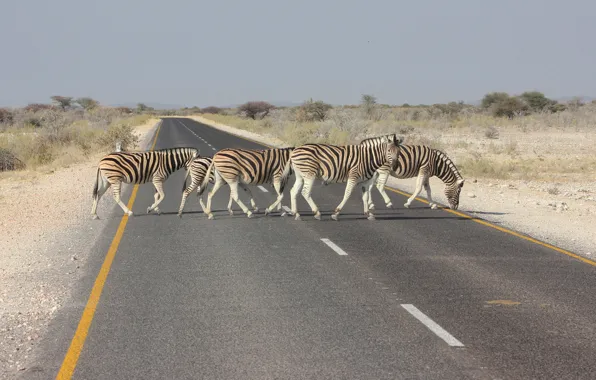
471, 195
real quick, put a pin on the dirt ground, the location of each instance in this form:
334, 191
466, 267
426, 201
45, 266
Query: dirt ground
46, 233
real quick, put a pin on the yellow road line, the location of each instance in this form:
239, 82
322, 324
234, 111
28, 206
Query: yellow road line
76, 345
479, 221
502, 229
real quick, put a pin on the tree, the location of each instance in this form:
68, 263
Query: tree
255, 108
313, 110
87, 103
211, 109
536, 101
369, 104
510, 107
63, 102
6, 116
493, 98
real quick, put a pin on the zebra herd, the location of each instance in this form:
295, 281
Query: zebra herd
371, 161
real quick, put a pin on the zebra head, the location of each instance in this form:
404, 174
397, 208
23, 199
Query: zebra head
452, 193
392, 150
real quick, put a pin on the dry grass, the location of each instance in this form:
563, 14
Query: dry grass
54, 138
544, 146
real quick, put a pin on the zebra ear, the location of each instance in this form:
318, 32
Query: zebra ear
460, 182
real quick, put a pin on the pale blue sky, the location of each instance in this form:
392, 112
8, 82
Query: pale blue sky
228, 52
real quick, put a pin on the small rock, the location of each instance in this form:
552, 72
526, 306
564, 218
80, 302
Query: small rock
475, 181
588, 253
73, 258
471, 195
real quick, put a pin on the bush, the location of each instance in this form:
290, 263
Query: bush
312, 111
36, 107
6, 116
63, 102
119, 132
212, 110
255, 108
509, 107
493, 98
369, 105
8, 161
87, 103
536, 101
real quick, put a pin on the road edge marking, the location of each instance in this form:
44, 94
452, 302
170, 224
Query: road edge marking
432, 325
503, 229
472, 218
334, 247
71, 357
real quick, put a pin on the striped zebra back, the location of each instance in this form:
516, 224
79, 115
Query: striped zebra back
334, 163
198, 169
253, 166
141, 167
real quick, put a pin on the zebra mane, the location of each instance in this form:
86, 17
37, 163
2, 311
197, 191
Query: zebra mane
440, 155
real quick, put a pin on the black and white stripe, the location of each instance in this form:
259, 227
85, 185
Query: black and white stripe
250, 167
424, 162
139, 168
353, 164
197, 171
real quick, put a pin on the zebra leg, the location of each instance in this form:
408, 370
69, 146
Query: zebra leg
103, 186
294, 194
306, 193
349, 187
252, 199
432, 204
116, 193
417, 191
277, 203
159, 196
234, 194
219, 182
366, 190
193, 185
381, 182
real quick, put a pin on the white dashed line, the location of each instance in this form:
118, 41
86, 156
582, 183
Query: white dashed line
432, 325
263, 189
334, 247
213, 148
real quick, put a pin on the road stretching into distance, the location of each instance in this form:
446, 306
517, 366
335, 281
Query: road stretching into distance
418, 293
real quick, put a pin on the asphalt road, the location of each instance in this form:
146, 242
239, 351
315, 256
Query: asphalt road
264, 298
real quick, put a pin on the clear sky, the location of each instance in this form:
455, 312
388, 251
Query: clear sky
224, 52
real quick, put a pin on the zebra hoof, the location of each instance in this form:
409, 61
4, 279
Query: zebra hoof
158, 211
267, 211
318, 215
433, 206
389, 205
297, 217
94, 217
129, 213
180, 215
231, 211
256, 209
371, 207
249, 215
210, 217
371, 217
284, 213
406, 205
334, 216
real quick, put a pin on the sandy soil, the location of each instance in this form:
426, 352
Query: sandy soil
566, 219
45, 237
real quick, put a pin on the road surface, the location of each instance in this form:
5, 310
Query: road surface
416, 294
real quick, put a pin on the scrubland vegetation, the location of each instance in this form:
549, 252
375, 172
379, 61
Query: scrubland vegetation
528, 137
65, 132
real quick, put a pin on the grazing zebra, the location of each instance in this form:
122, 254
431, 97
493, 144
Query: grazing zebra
354, 164
197, 172
424, 162
250, 167
139, 168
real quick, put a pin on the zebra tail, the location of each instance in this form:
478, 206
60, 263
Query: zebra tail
205, 182
286, 173
185, 178
96, 187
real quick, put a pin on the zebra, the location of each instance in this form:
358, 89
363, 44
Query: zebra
424, 162
250, 167
139, 168
353, 164
197, 172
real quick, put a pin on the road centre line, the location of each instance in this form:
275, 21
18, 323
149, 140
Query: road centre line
432, 326
263, 189
334, 247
